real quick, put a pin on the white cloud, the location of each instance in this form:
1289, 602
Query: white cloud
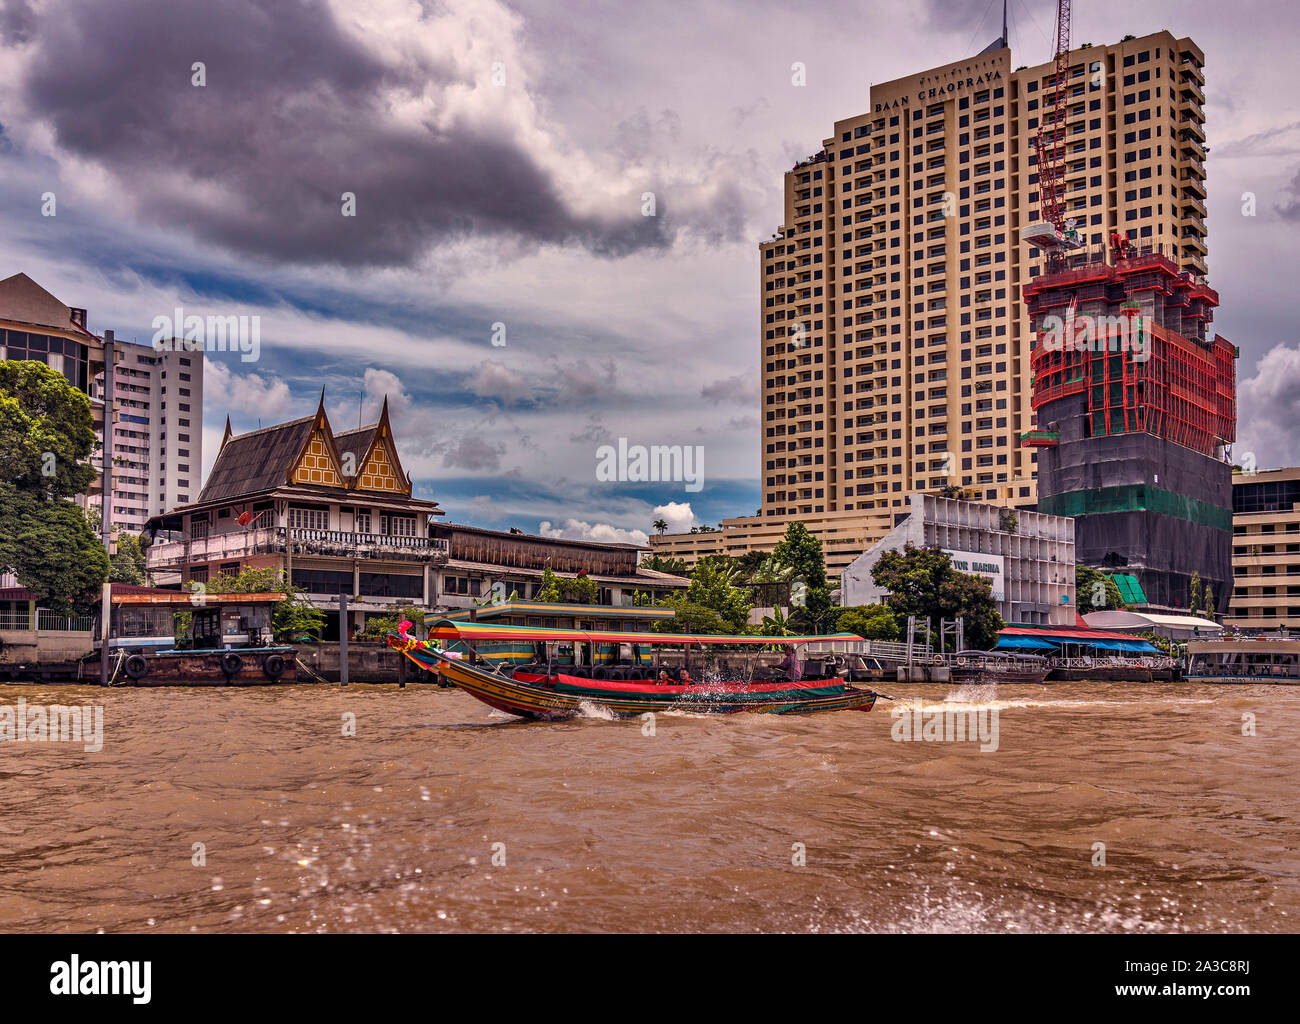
576, 529
248, 393
677, 514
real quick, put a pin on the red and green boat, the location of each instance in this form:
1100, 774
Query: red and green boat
573, 672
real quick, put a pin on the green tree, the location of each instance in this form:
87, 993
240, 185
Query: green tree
665, 563
291, 618
1194, 597
52, 552
560, 590
379, 626
550, 592
923, 583
711, 604
660, 526
1208, 603
127, 564
47, 435
871, 622
1095, 591
46, 432
802, 553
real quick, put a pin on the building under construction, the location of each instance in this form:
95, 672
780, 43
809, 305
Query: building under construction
1134, 404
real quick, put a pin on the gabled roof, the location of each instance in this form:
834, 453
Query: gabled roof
24, 301
263, 460
363, 442
357, 442
257, 461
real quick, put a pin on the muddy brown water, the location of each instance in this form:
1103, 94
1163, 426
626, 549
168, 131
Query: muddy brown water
443, 815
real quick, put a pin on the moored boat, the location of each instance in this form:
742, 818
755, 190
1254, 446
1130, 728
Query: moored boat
998, 667
162, 637
628, 674
1244, 659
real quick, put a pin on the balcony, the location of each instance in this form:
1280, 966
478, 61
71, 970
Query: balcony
279, 540
1188, 84
1195, 205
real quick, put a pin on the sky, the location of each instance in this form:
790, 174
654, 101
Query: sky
552, 236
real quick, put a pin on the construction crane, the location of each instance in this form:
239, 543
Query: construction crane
1054, 232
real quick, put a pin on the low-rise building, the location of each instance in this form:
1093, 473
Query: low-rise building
486, 565
1027, 557
336, 513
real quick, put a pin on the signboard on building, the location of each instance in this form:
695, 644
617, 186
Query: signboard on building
991, 567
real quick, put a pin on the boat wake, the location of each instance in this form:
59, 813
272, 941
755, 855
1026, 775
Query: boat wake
973, 693
586, 709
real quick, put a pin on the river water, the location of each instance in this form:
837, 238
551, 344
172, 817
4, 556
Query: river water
440, 814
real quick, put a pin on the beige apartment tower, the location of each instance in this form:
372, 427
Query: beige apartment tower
1265, 550
894, 346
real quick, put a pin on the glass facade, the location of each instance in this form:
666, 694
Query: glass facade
71, 358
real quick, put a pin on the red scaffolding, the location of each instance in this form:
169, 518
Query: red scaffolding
1138, 375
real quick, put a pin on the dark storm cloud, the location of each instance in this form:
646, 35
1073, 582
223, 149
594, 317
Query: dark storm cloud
17, 20
292, 116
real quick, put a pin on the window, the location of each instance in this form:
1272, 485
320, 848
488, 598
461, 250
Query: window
309, 519
397, 526
460, 585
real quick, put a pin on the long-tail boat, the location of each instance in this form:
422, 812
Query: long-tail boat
628, 674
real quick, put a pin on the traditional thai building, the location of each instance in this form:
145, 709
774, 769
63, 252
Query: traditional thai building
336, 513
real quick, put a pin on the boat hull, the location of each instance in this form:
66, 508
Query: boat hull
262, 666
559, 696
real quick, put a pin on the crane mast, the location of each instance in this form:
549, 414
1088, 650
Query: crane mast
1051, 232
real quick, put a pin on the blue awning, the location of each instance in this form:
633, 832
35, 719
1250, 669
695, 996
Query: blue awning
1126, 646
1023, 643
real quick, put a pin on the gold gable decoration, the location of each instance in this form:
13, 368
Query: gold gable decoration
316, 465
379, 472
382, 467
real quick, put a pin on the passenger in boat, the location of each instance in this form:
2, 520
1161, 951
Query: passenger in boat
663, 679
684, 677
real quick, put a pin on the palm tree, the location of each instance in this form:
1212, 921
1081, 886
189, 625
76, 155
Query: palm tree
660, 525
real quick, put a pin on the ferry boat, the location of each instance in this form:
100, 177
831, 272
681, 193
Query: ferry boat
628, 674
1244, 659
226, 641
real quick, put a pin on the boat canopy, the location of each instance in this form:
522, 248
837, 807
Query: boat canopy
446, 629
